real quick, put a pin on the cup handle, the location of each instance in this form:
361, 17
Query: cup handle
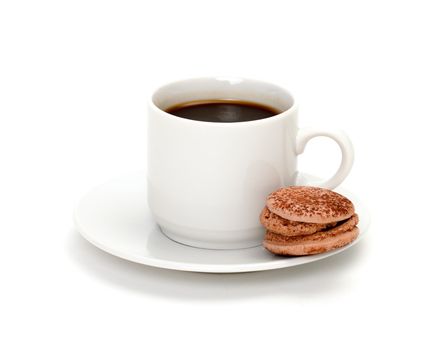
347, 152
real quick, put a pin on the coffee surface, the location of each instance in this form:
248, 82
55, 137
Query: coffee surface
222, 111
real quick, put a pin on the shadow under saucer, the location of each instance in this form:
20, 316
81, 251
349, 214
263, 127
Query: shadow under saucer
311, 280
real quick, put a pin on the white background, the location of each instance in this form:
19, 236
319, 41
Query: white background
74, 80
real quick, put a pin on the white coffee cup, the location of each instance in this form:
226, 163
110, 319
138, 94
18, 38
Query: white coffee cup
208, 181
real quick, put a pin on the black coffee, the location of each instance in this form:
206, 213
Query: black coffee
222, 111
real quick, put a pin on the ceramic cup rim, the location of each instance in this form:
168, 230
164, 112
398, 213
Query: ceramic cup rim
232, 80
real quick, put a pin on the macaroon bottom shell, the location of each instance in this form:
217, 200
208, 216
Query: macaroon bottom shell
311, 247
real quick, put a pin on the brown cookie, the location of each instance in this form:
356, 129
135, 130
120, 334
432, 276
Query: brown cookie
277, 224
310, 204
311, 248
319, 242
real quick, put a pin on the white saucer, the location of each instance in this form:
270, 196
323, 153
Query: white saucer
115, 218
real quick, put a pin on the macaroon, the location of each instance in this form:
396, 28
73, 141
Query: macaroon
303, 220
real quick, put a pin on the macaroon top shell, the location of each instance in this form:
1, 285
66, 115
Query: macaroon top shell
310, 204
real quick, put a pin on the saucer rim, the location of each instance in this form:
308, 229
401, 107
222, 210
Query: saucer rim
283, 262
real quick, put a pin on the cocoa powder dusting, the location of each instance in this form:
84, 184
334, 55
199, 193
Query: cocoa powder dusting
309, 202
